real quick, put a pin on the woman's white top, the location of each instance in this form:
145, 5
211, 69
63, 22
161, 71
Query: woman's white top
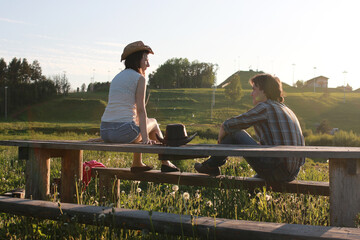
121, 105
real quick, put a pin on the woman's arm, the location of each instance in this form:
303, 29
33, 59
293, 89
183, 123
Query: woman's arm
141, 110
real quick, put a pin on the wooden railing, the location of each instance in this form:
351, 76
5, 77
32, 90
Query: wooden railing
172, 224
344, 167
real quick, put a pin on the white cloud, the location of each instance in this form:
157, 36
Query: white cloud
13, 21
111, 44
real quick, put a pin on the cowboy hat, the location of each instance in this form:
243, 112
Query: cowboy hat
135, 47
175, 135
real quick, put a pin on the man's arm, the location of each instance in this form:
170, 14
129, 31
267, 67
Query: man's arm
245, 120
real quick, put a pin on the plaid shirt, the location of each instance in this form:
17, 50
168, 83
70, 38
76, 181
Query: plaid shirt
274, 124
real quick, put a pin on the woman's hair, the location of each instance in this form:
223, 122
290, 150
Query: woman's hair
133, 60
271, 86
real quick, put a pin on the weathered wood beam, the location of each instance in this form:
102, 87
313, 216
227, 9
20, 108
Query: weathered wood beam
198, 179
197, 149
173, 224
344, 192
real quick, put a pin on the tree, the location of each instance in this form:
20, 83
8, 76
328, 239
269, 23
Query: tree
299, 83
25, 84
36, 71
233, 90
25, 71
13, 71
65, 85
180, 73
83, 87
324, 127
3, 69
61, 83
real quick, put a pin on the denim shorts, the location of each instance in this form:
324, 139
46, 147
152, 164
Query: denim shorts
119, 132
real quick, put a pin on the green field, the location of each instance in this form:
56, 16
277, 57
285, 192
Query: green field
193, 108
77, 117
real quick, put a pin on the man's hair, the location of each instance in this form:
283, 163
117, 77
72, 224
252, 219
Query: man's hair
271, 86
133, 60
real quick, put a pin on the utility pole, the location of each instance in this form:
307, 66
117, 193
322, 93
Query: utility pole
344, 72
6, 102
293, 83
314, 79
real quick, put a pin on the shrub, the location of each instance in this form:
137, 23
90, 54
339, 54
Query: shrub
349, 139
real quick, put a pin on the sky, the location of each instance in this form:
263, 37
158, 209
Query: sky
292, 39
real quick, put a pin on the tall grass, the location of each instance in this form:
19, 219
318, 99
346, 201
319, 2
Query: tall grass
260, 205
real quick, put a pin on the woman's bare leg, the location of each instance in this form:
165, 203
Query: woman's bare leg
153, 129
137, 161
137, 157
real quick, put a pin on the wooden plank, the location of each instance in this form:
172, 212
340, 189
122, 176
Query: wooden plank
198, 179
37, 174
344, 193
71, 172
174, 224
198, 149
23, 153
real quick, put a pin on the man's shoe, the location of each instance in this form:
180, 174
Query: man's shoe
205, 168
257, 176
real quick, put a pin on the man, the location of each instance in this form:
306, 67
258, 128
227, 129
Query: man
274, 124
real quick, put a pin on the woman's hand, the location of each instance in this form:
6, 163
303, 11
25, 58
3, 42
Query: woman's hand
148, 141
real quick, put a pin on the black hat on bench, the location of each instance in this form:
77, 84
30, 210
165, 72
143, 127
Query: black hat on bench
175, 135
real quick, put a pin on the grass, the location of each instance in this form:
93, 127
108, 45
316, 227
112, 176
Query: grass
260, 205
193, 107
77, 117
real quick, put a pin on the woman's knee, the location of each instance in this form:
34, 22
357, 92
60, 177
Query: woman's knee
152, 124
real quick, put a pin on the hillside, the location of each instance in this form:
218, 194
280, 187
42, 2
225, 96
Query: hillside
244, 79
193, 106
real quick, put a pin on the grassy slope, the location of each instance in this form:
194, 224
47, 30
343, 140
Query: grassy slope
193, 107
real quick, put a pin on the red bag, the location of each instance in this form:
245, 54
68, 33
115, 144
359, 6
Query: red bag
87, 166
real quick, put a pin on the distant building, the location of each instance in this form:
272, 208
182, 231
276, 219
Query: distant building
348, 88
320, 82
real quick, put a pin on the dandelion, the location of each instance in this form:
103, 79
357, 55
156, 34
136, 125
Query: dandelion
186, 196
122, 192
268, 197
138, 190
197, 195
209, 203
136, 182
101, 216
258, 194
172, 194
175, 188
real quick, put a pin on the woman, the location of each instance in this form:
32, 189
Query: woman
125, 119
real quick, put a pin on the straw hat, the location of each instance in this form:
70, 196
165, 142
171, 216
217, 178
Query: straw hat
175, 135
135, 47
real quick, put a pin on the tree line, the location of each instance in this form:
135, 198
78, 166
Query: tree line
174, 73
181, 73
24, 84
